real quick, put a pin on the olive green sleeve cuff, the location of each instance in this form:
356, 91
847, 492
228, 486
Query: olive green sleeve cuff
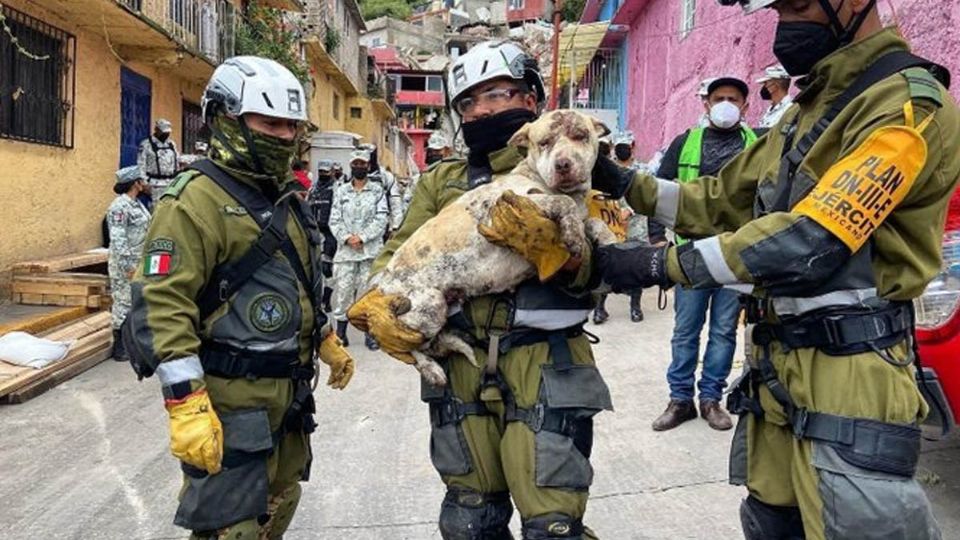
674, 271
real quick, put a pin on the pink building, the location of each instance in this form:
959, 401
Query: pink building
671, 45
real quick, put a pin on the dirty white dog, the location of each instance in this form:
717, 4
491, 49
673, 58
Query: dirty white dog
448, 258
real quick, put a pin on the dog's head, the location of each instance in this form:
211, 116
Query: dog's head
562, 148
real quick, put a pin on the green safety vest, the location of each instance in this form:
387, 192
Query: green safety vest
688, 167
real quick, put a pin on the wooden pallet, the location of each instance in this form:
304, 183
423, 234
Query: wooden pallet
93, 341
63, 263
44, 322
60, 289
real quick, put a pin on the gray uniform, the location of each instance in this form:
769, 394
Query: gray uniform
128, 220
158, 162
363, 213
394, 198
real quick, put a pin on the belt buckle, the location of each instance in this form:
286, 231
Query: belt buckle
800, 423
538, 411
831, 327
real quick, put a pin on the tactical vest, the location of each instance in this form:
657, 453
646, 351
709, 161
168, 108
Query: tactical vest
252, 304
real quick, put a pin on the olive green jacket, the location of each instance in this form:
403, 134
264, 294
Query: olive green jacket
787, 250
197, 227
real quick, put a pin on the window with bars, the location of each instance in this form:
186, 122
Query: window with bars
37, 81
516, 4
688, 14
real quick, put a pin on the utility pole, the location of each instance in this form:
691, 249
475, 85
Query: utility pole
557, 17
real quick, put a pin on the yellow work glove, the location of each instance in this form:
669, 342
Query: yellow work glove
519, 224
196, 435
379, 315
333, 354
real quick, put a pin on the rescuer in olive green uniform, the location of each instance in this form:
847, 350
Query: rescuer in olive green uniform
520, 425
833, 221
225, 311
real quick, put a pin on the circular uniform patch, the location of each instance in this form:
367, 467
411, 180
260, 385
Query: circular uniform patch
269, 312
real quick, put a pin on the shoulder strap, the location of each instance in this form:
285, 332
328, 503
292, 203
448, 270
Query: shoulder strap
272, 220
884, 67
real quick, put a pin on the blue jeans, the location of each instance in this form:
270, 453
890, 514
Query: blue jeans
691, 307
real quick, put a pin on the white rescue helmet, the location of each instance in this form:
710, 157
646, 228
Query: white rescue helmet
251, 84
749, 6
493, 60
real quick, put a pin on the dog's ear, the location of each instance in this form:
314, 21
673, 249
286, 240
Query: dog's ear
521, 138
600, 127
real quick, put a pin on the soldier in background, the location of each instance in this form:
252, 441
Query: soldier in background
199, 152
127, 221
358, 221
391, 190
157, 158
320, 199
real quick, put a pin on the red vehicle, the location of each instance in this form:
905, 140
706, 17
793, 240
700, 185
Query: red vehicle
938, 327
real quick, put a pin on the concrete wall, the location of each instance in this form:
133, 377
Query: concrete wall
666, 70
54, 198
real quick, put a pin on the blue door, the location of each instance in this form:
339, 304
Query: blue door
134, 114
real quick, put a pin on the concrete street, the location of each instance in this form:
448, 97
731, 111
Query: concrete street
88, 460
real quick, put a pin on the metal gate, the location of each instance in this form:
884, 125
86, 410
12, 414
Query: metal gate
602, 83
134, 114
192, 127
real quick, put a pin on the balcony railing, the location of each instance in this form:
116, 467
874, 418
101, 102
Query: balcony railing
205, 27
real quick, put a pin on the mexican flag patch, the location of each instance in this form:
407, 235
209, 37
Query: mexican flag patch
157, 264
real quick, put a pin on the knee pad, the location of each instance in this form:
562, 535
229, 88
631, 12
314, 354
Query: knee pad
762, 521
549, 526
470, 515
281, 508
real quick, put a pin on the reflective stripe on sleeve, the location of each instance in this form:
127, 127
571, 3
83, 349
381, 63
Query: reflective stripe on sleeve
179, 370
668, 202
712, 255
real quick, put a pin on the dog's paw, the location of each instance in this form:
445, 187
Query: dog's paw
430, 370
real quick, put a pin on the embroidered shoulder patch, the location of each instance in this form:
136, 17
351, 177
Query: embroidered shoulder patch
159, 257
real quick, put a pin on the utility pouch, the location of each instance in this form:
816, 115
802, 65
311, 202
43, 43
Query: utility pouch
240, 490
576, 387
448, 446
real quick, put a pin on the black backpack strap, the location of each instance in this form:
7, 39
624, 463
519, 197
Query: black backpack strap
884, 67
272, 219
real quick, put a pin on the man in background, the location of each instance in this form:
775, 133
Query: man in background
697, 152
775, 89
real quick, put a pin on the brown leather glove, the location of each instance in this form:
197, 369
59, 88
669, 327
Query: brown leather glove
333, 354
520, 225
379, 315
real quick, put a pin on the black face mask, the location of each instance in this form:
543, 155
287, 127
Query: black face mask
432, 158
323, 178
162, 137
486, 135
765, 94
799, 45
622, 152
359, 174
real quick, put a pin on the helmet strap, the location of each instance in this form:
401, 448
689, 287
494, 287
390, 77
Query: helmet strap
845, 33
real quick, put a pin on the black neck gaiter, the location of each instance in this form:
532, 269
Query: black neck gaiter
486, 135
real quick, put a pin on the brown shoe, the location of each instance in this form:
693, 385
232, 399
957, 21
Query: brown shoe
713, 413
678, 412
